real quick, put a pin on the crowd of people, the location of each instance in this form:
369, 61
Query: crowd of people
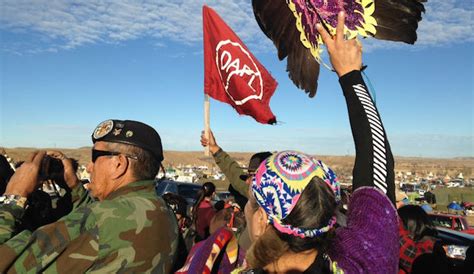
286, 215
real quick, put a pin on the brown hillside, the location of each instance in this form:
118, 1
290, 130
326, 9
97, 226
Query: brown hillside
341, 164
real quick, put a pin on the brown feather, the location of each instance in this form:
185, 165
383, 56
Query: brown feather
279, 24
397, 20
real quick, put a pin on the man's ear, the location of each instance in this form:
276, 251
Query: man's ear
120, 165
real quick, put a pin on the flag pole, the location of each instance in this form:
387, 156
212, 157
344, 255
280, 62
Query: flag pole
206, 123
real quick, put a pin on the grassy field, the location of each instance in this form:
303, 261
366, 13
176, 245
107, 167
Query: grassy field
444, 196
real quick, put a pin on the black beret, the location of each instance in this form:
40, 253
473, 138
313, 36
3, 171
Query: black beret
255, 162
131, 133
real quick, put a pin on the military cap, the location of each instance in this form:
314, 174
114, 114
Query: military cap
131, 133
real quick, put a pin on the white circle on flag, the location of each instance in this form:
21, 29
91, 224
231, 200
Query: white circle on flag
225, 61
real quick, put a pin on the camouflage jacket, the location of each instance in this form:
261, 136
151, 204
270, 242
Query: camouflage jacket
132, 230
232, 171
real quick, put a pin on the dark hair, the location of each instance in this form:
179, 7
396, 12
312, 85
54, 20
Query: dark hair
240, 199
231, 217
38, 213
40, 210
6, 173
206, 190
146, 166
176, 202
416, 222
219, 205
314, 209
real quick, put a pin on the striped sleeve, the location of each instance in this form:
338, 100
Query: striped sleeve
374, 164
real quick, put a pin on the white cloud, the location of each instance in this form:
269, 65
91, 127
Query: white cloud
447, 21
67, 25
444, 22
53, 25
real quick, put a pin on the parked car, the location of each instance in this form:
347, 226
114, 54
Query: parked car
468, 208
188, 191
451, 221
223, 195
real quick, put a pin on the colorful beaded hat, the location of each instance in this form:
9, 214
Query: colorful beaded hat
279, 182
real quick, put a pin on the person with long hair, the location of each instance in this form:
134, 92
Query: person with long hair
203, 211
291, 213
179, 206
418, 237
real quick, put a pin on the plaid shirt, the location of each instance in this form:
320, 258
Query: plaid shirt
409, 249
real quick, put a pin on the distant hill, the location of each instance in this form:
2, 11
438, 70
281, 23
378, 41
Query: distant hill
341, 164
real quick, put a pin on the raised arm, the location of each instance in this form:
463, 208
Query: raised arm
24, 182
374, 160
374, 165
228, 166
372, 224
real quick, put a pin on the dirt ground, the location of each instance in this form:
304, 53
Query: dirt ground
342, 165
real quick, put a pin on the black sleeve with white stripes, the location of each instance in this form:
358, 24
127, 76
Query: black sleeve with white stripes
374, 165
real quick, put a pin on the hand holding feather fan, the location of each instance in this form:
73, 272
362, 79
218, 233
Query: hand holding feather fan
291, 25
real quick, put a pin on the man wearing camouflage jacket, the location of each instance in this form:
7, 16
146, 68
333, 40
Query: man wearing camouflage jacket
129, 228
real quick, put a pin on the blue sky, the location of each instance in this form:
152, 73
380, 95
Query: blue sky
65, 66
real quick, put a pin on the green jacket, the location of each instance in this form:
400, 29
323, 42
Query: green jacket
232, 171
132, 230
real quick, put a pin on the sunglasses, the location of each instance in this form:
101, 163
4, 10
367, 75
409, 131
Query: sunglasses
98, 153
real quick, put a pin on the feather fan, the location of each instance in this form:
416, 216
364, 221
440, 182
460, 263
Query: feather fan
291, 25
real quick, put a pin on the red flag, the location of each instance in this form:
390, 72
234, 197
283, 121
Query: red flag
232, 74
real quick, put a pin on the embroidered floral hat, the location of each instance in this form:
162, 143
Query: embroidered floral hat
279, 182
